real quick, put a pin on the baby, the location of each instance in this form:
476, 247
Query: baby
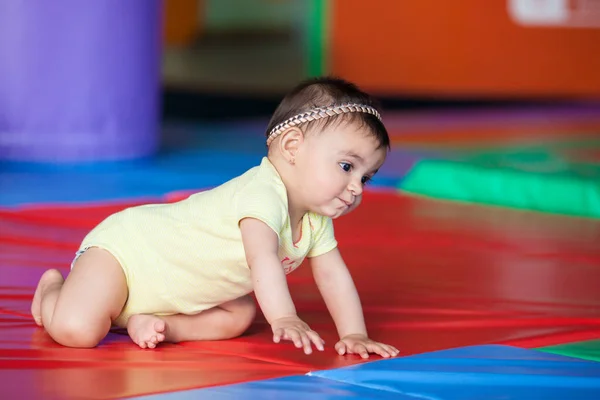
184, 271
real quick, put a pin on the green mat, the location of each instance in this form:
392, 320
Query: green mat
495, 183
588, 350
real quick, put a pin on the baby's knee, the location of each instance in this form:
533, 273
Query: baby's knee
76, 332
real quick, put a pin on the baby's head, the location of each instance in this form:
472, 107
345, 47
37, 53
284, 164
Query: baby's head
319, 93
327, 138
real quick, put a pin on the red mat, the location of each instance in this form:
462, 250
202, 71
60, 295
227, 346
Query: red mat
431, 275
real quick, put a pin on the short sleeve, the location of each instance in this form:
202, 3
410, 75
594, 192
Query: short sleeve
324, 237
261, 201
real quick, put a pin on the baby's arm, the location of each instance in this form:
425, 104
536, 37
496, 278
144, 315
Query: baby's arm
341, 297
261, 245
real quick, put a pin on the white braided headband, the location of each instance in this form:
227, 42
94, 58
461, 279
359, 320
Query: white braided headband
319, 113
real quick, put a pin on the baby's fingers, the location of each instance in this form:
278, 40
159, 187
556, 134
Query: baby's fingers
306, 343
316, 339
277, 335
382, 349
294, 336
340, 348
391, 350
361, 349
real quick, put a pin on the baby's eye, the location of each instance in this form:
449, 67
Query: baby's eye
346, 166
365, 179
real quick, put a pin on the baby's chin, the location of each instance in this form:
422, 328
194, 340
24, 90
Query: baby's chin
346, 211
336, 212
333, 214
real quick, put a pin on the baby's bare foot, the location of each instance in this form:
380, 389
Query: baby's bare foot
49, 278
146, 330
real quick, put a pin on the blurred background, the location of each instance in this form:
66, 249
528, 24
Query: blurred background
215, 59
163, 93
152, 96
409, 53
421, 50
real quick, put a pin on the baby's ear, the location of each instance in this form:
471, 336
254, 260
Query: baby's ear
290, 142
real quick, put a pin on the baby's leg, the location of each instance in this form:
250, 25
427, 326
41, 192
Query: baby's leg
226, 321
78, 311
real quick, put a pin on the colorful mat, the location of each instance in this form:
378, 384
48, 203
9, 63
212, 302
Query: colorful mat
433, 276
586, 350
475, 372
534, 160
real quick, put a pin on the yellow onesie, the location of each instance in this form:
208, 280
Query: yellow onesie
188, 256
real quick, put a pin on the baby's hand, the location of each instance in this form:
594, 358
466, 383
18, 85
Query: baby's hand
297, 331
362, 345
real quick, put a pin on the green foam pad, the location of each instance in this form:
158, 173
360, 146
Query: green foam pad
560, 193
588, 350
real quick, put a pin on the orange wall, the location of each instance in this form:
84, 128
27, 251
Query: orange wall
181, 21
459, 48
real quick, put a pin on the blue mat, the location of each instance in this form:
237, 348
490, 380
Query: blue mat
475, 372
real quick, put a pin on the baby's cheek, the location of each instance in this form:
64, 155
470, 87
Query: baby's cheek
357, 202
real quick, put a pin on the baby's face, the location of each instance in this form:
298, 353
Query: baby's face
335, 164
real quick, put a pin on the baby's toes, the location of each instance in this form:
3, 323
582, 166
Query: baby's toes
159, 326
160, 337
151, 344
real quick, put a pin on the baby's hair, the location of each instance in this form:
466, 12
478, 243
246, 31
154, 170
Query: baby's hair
325, 92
